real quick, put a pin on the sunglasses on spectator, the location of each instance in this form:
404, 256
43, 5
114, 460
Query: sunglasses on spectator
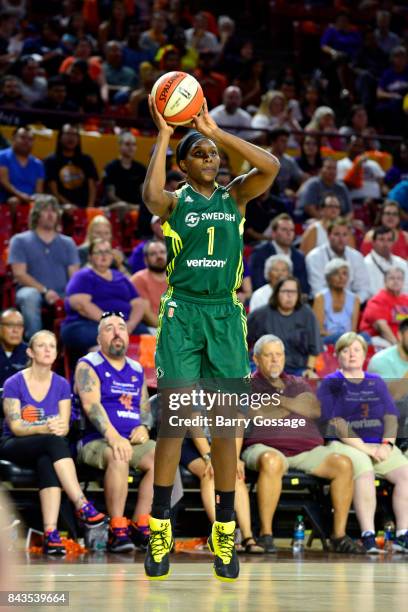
18, 325
112, 313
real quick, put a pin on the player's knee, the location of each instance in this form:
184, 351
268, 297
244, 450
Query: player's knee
270, 463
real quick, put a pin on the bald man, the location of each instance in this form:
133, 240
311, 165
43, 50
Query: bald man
230, 116
13, 356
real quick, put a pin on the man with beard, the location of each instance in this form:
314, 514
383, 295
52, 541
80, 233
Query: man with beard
151, 282
42, 262
113, 395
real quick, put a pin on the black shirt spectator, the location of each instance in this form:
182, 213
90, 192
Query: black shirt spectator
293, 322
259, 214
82, 90
11, 100
310, 160
56, 101
13, 351
124, 177
70, 174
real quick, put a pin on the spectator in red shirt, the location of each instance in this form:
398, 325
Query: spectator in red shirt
390, 217
296, 444
151, 282
385, 311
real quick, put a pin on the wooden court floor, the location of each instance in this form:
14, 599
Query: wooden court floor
280, 583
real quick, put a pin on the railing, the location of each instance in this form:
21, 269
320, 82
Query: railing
107, 121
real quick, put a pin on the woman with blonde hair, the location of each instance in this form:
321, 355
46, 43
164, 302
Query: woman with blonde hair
100, 227
324, 120
94, 290
37, 409
274, 112
362, 415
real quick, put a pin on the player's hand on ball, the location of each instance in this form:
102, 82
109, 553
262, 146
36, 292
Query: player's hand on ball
159, 121
204, 123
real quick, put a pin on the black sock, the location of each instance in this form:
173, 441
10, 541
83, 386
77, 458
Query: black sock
224, 506
161, 501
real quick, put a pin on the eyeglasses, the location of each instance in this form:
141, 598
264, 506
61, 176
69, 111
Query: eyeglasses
10, 325
112, 313
391, 214
102, 252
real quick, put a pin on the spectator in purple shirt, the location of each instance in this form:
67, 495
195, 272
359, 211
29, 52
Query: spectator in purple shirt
392, 87
94, 290
37, 407
340, 42
114, 397
341, 39
360, 408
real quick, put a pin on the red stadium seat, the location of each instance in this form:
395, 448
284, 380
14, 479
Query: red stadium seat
116, 223
21, 218
130, 225
8, 288
75, 224
6, 228
142, 348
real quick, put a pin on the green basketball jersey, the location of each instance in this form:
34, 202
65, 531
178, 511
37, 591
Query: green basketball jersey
204, 243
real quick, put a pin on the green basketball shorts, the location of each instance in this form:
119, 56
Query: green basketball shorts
200, 339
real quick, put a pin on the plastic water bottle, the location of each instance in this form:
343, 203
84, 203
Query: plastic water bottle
389, 534
298, 544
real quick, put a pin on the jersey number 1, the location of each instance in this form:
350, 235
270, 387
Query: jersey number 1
210, 232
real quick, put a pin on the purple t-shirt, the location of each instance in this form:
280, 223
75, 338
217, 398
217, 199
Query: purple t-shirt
394, 82
347, 41
121, 392
362, 405
32, 411
114, 295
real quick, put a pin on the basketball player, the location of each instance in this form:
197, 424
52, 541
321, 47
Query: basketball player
202, 325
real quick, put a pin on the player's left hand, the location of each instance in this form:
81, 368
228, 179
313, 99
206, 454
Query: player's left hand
139, 435
204, 123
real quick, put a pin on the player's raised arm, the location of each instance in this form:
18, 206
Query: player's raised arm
159, 201
265, 165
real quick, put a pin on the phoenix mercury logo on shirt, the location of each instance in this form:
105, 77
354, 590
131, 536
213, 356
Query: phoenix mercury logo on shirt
32, 414
192, 218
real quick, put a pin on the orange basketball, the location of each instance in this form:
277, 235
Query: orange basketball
178, 97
